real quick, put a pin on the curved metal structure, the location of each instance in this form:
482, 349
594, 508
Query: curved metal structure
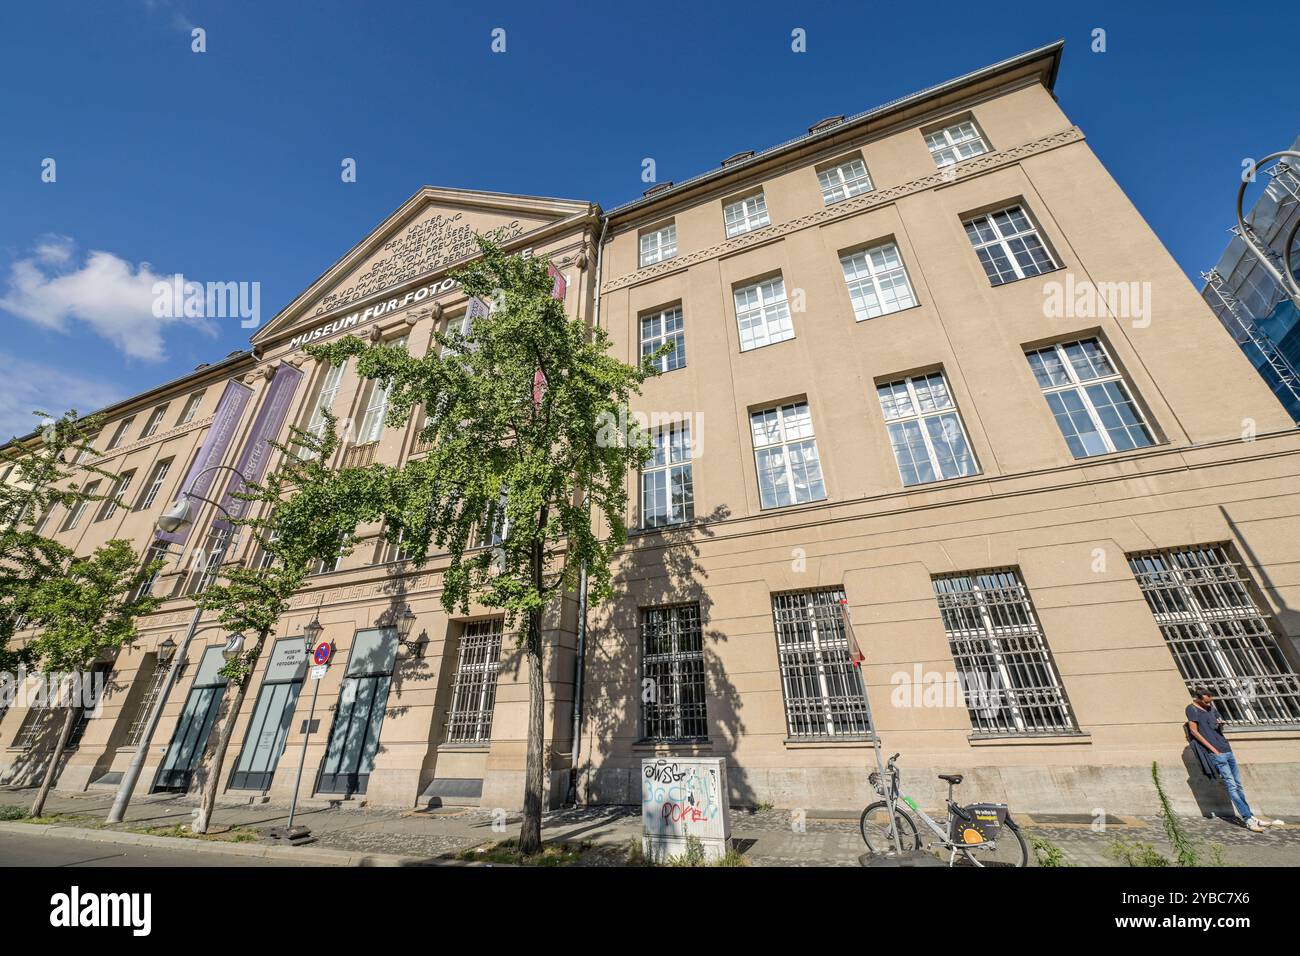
1284, 278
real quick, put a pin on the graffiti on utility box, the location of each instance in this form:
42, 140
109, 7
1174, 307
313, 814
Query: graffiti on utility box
681, 798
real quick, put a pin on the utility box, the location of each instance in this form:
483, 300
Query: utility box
681, 798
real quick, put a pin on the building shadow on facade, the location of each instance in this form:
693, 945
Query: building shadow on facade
662, 569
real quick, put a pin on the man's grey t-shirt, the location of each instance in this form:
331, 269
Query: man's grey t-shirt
1207, 723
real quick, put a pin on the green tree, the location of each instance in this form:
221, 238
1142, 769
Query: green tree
529, 433
45, 472
88, 610
250, 600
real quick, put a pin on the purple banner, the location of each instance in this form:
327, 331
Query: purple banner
199, 480
257, 447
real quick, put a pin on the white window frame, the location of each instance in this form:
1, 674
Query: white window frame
326, 395
661, 320
155, 420
948, 144
120, 433
870, 281
1004, 241
838, 184
79, 510
786, 417
372, 424
921, 416
1079, 386
745, 214
765, 319
657, 245
114, 500
474, 682
191, 408
669, 468
159, 475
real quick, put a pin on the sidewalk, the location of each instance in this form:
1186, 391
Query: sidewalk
385, 837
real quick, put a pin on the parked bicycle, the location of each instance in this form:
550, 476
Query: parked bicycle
981, 834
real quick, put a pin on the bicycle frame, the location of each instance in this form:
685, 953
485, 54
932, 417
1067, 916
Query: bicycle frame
892, 795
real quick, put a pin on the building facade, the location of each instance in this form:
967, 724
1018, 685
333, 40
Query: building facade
905, 392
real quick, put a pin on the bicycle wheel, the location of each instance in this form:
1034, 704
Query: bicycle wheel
879, 836
1008, 850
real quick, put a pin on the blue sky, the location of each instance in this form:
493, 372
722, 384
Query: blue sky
225, 165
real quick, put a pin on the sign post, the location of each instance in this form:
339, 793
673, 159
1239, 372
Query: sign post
320, 657
684, 799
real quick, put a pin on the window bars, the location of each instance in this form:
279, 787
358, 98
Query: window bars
824, 694
1219, 636
474, 687
1008, 678
672, 673
157, 680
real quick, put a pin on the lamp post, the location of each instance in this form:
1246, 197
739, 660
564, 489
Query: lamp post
177, 517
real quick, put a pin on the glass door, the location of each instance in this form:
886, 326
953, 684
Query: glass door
272, 716
197, 718
354, 738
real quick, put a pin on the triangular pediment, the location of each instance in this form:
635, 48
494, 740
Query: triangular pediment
430, 232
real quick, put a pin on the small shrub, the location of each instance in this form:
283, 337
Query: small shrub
507, 851
1047, 853
1136, 853
9, 812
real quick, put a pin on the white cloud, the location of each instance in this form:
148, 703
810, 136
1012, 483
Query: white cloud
26, 387
114, 298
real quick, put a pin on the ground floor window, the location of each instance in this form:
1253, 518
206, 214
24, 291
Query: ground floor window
359, 716
272, 714
1007, 675
824, 694
672, 674
195, 724
1221, 639
474, 686
153, 687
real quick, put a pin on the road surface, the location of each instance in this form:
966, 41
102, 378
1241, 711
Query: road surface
36, 850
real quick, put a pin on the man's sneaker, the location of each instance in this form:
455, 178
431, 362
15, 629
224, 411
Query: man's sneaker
1253, 826
1264, 821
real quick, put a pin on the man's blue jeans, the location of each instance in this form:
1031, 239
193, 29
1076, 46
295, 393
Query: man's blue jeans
1226, 764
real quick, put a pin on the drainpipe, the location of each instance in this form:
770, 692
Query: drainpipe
580, 663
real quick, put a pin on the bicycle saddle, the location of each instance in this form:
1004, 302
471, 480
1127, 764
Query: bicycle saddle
952, 778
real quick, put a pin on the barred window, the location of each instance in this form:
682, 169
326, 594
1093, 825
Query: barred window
823, 690
925, 429
474, 686
1008, 245
844, 180
659, 328
745, 215
658, 245
1218, 634
785, 456
954, 143
1007, 674
672, 669
877, 281
763, 314
1089, 398
667, 491
153, 688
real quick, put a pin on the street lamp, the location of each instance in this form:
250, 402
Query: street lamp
311, 633
166, 651
402, 621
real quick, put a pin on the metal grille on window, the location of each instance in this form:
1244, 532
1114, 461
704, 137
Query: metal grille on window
474, 687
672, 669
824, 694
1219, 636
1008, 678
157, 679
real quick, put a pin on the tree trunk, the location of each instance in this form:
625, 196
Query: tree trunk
69, 719
530, 833
214, 754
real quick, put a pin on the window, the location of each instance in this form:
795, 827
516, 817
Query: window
845, 180
496, 523
1008, 245
1089, 398
155, 419
205, 563
398, 551
658, 245
158, 551
672, 668
265, 556
877, 281
1218, 634
763, 314
115, 495
954, 143
474, 685
372, 424
359, 713
925, 429
660, 327
667, 492
156, 480
87, 450
325, 395
153, 688
785, 453
79, 509
823, 691
191, 408
1007, 675
120, 433
330, 565
268, 728
745, 215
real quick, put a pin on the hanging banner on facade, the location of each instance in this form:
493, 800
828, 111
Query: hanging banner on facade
220, 436
253, 459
